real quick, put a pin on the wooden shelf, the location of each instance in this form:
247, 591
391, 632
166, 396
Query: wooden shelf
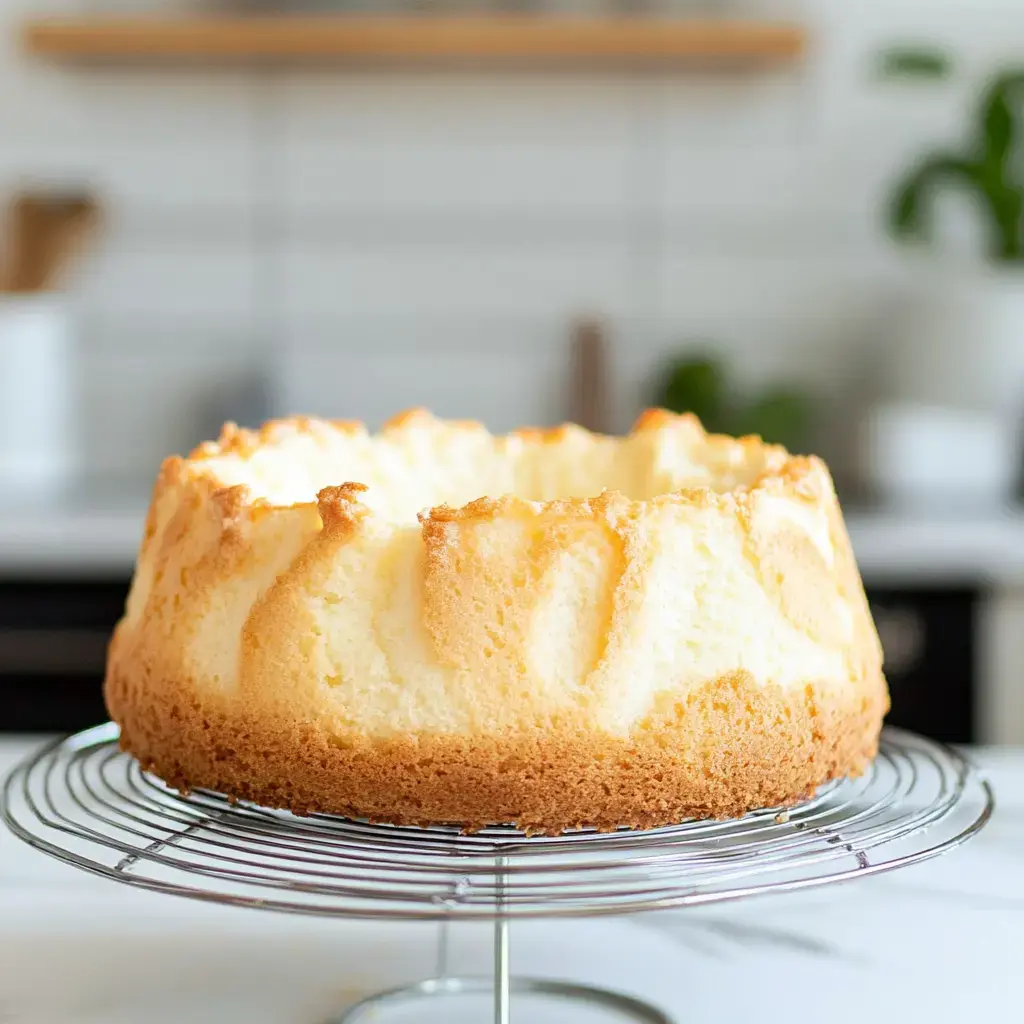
492, 39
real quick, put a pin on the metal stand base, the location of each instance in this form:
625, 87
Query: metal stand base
598, 998
500, 988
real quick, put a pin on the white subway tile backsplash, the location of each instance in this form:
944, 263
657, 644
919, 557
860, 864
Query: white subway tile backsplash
736, 146
501, 377
174, 140
147, 392
733, 183
741, 109
54, 119
462, 145
167, 279
41, 107
712, 289
368, 277
166, 107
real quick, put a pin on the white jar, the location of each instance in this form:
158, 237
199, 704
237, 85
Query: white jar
37, 438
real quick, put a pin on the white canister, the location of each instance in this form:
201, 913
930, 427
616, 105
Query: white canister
939, 458
37, 437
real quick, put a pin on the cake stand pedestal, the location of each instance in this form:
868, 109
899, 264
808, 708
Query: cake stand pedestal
86, 803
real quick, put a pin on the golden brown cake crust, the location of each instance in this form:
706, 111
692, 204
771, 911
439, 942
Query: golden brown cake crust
688, 649
733, 747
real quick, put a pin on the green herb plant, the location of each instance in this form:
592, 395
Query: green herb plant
911, 62
699, 384
990, 168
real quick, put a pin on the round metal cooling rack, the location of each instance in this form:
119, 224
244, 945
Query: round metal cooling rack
84, 802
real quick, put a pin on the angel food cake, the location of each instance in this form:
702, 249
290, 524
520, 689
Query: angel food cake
551, 628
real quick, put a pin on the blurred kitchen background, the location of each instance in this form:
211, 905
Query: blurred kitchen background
798, 218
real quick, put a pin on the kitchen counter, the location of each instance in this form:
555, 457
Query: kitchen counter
911, 548
940, 942
95, 530
101, 534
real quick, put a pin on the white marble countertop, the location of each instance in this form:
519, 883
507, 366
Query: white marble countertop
92, 535
940, 943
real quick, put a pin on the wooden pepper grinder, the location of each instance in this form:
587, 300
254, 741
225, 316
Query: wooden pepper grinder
589, 384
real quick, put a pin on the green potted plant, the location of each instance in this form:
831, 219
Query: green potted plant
960, 341
988, 168
700, 382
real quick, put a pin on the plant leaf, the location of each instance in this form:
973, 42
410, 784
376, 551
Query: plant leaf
907, 209
917, 63
990, 171
997, 126
1006, 205
780, 416
697, 385
996, 113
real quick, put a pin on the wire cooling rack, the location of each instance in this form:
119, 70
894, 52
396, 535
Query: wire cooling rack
84, 802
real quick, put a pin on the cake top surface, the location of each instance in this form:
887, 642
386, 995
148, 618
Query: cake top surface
418, 461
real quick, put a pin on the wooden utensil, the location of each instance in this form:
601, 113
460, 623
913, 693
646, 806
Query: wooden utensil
45, 232
588, 377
